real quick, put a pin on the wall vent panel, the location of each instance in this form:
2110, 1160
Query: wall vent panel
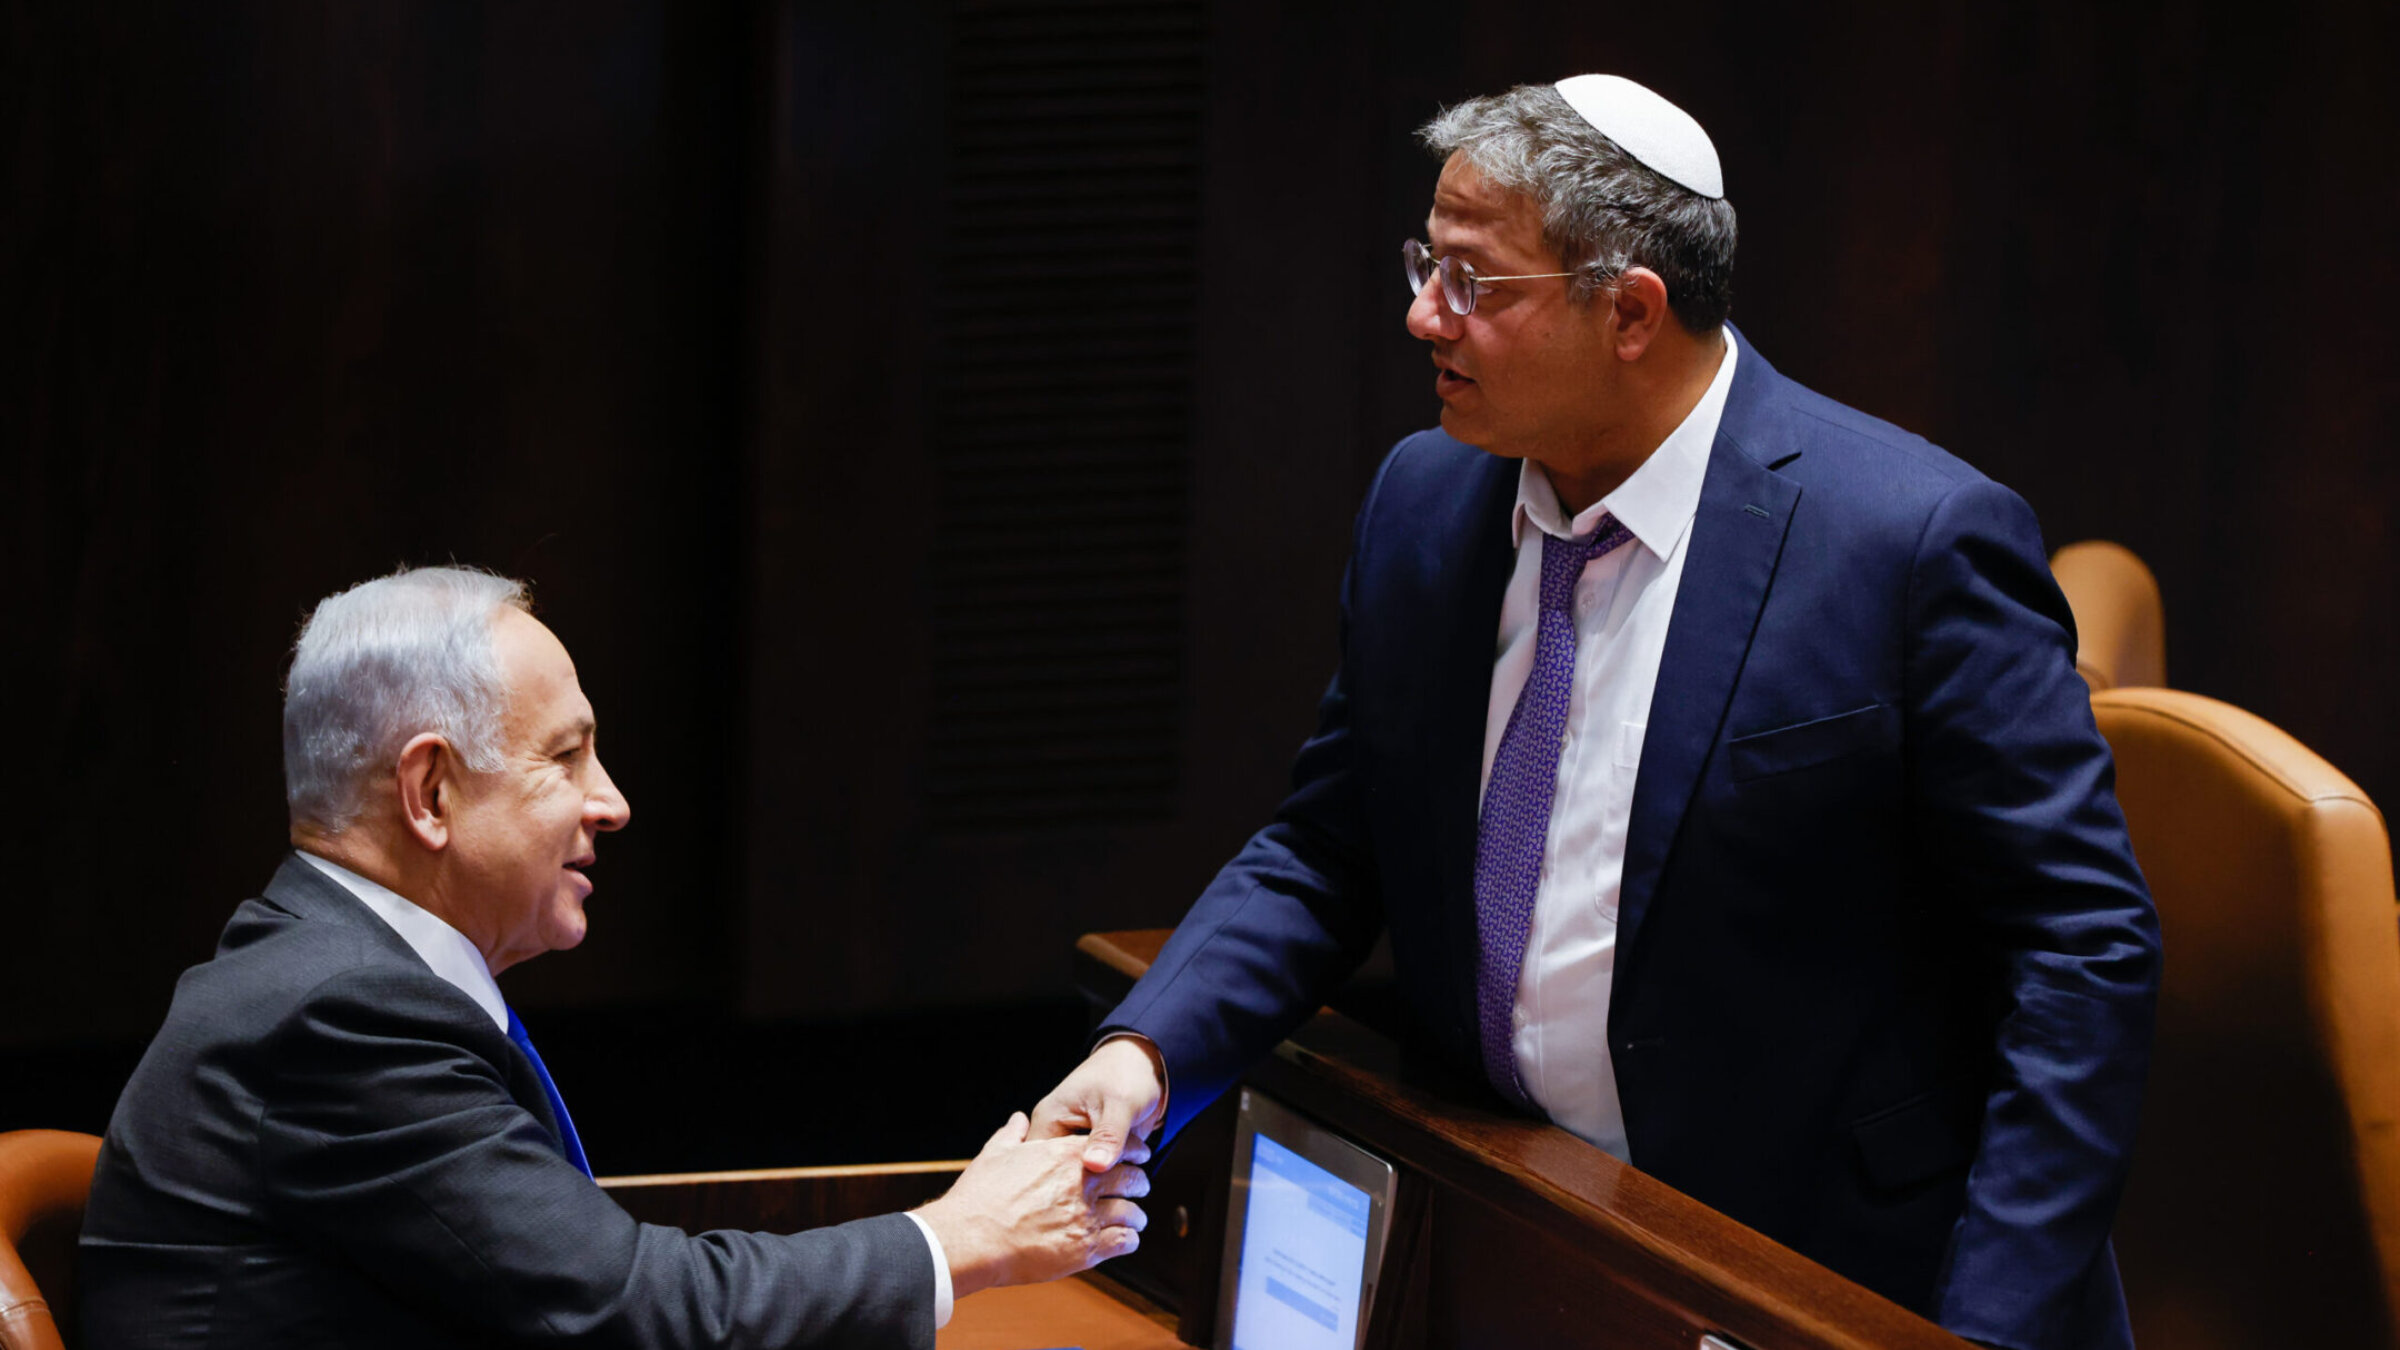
1063, 430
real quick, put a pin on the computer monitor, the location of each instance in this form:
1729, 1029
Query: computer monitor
1305, 1233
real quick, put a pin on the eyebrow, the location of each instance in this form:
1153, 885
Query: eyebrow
1471, 252
582, 729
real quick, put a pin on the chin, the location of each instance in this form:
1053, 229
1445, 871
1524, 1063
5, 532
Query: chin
566, 929
1464, 429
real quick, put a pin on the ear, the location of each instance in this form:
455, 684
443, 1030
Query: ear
1641, 312
427, 778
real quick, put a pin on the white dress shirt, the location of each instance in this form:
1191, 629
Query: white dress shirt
1623, 603
457, 960
439, 945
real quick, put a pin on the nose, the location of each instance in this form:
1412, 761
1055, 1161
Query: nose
605, 808
1429, 315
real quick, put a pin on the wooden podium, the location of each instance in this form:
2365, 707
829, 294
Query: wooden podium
1506, 1233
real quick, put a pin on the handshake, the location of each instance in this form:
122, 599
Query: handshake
1054, 1195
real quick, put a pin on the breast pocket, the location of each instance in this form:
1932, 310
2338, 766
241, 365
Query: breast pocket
1805, 745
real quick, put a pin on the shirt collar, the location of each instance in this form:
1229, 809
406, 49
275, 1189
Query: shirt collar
1658, 500
439, 945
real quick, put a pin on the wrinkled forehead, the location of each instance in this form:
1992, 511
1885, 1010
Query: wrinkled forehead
1464, 196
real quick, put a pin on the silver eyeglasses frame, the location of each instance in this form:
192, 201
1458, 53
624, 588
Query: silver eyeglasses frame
1460, 284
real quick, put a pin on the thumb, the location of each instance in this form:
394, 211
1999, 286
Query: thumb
1011, 1131
1111, 1123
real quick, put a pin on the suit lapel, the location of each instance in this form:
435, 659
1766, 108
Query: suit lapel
302, 890
1470, 605
1737, 542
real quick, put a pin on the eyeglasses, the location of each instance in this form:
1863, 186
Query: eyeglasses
1460, 285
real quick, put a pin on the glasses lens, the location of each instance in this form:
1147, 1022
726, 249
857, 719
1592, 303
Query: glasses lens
1418, 264
1458, 286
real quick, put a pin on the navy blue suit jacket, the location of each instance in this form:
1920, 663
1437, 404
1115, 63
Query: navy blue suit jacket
1886, 966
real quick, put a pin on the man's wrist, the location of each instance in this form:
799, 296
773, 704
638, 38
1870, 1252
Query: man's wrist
943, 1297
1158, 1065
970, 1263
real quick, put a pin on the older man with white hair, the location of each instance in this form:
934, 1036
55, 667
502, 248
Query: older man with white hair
1713, 755
343, 1136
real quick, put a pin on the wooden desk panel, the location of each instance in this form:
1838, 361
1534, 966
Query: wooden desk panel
780, 1199
1090, 1312
1524, 1234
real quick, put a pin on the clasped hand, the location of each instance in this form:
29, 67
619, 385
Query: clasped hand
1026, 1211
1055, 1195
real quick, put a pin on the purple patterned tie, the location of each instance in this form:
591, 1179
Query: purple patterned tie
1515, 824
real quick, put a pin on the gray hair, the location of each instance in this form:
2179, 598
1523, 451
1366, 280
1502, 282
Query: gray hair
1603, 211
380, 663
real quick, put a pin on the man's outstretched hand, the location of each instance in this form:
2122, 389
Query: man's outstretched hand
1115, 1097
1026, 1211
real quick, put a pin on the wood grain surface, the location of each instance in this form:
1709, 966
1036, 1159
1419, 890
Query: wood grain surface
1529, 1235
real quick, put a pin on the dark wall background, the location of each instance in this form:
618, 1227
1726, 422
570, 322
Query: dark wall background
934, 427
297, 295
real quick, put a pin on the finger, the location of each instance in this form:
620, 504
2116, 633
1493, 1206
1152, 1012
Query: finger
1116, 1213
1066, 1149
1122, 1180
1112, 1125
1109, 1244
1054, 1117
1011, 1131
1137, 1150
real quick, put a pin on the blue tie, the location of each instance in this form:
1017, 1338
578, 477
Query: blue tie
567, 1142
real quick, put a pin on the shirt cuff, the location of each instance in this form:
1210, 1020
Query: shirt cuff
941, 1272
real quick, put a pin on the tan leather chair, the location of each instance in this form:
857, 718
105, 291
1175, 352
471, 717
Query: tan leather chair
2264, 1207
2120, 625
44, 1177
2120, 620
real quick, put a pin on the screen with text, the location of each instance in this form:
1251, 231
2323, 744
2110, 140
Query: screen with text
1304, 1255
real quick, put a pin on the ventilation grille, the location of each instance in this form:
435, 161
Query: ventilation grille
1062, 437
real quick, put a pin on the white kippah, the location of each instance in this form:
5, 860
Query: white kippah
1647, 127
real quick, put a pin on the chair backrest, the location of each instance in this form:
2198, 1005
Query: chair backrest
2264, 1207
44, 1177
2120, 624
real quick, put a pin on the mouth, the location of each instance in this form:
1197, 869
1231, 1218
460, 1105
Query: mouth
1448, 380
577, 866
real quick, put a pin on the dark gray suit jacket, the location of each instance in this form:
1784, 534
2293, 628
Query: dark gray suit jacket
329, 1145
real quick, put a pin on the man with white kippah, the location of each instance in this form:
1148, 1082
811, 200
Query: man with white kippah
343, 1136
1713, 755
